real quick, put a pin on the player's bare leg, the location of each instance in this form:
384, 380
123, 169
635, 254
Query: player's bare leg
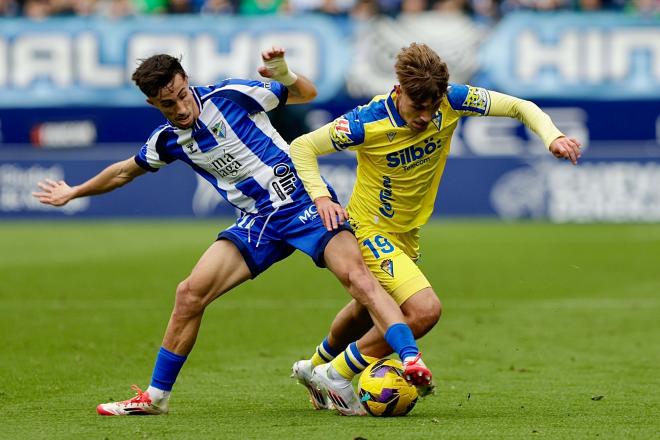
421, 311
219, 270
344, 259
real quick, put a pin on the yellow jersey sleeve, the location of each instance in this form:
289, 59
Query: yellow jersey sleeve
476, 101
526, 112
304, 152
347, 131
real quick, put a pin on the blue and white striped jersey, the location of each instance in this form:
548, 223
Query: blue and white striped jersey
233, 146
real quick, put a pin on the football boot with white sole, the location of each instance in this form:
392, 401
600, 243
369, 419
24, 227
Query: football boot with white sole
302, 371
338, 391
140, 405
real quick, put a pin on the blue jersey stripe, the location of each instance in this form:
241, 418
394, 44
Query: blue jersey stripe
247, 103
204, 137
233, 146
249, 134
251, 188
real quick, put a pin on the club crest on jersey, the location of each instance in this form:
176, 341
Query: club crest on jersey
390, 135
437, 120
388, 267
219, 130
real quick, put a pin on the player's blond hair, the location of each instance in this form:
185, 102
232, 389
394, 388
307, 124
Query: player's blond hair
421, 73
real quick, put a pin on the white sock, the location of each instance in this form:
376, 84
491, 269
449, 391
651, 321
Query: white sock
334, 374
158, 395
412, 358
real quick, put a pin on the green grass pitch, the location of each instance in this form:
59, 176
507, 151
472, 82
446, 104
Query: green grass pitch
548, 331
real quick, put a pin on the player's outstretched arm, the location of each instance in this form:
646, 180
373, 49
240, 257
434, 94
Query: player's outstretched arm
539, 122
301, 89
566, 148
116, 175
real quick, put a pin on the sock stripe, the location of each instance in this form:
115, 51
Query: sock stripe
327, 348
355, 353
320, 353
350, 363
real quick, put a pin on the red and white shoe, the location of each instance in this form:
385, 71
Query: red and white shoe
140, 405
418, 374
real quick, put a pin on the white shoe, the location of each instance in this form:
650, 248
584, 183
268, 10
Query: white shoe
302, 371
140, 405
338, 391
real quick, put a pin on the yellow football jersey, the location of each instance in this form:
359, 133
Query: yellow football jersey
399, 170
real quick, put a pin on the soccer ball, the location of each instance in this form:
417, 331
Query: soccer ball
383, 390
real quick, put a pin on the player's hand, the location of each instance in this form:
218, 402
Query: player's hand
566, 148
54, 193
332, 214
268, 56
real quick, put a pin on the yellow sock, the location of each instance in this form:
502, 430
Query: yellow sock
351, 362
324, 353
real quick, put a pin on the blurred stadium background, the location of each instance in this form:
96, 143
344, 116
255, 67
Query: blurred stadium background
68, 107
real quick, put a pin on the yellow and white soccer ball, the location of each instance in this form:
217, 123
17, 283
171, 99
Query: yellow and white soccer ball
383, 390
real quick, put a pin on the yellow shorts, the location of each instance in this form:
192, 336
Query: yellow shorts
391, 258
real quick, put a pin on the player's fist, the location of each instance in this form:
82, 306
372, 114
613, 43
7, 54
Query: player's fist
275, 66
269, 57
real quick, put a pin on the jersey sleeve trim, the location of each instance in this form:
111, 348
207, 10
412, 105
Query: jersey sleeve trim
254, 96
143, 164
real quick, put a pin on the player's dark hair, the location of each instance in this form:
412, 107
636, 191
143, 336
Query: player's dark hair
421, 73
156, 72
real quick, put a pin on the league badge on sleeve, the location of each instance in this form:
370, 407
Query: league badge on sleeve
340, 131
477, 100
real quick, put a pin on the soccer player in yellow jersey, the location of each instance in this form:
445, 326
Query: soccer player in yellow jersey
402, 140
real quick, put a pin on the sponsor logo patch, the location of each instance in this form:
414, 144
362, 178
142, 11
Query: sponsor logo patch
386, 198
390, 135
286, 180
414, 155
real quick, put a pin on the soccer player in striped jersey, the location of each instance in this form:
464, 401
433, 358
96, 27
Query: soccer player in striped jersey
222, 132
402, 140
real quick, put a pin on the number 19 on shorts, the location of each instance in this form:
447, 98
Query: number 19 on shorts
378, 246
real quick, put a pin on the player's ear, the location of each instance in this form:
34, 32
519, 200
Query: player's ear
150, 102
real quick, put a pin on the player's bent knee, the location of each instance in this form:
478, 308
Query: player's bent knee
423, 315
363, 286
188, 301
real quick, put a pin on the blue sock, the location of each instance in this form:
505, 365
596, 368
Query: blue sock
166, 370
401, 339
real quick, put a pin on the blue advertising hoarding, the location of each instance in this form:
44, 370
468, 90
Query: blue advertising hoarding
68, 109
